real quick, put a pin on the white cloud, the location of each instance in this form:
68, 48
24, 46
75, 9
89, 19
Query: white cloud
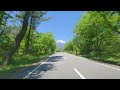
60, 41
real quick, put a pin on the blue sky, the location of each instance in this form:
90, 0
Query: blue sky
61, 24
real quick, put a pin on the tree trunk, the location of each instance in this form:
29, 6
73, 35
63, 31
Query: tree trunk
7, 57
28, 37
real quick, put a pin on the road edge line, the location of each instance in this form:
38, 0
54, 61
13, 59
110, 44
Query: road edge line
108, 66
35, 68
102, 63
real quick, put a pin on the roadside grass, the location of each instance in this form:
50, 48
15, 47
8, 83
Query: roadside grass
20, 61
106, 58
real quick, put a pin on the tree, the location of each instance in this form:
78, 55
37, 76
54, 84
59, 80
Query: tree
96, 33
18, 39
43, 43
35, 20
4, 16
107, 14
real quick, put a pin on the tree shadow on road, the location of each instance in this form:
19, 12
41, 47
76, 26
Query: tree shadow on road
45, 67
40, 71
37, 73
55, 59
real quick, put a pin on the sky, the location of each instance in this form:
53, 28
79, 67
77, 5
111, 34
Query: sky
61, 24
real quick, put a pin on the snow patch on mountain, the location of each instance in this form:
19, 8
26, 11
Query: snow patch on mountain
60, 43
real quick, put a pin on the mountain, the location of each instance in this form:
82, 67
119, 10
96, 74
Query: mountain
60, 43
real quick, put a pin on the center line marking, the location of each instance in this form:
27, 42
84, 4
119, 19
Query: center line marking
79, 74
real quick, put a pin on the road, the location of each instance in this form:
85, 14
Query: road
67, 66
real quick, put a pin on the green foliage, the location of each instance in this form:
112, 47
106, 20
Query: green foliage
59, 50
18, 62
37, 44
34, 42
68, 47
96, 34
43, 43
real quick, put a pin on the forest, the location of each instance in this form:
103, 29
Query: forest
20, 43
97, 36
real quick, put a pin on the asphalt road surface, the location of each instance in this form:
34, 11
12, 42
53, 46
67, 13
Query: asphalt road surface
67, 66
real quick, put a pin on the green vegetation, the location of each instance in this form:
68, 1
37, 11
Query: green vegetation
97, 36
19, 62
59, 50
20, 43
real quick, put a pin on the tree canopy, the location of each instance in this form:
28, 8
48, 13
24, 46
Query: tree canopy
96, 33
18, 35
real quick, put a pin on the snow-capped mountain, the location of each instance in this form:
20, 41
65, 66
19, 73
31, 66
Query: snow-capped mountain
60, 43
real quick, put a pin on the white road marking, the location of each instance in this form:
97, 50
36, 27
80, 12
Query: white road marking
35, 68
108, 66
79, 74
101, 64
